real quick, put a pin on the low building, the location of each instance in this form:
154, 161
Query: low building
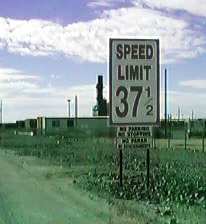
95, 123
60, 125
31, 123
196, 128
20, 124
9, 125
54, 125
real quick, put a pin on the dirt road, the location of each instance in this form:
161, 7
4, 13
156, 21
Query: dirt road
32, 191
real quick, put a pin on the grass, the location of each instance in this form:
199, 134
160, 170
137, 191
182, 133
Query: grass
177, 189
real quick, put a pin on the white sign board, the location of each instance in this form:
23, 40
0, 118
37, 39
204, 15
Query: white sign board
134, 137
134, 81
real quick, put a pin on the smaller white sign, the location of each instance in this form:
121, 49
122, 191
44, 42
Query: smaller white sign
134, 137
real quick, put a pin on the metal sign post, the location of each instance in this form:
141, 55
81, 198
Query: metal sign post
185, 136
148, 160
203, 136
120, 167
134, 89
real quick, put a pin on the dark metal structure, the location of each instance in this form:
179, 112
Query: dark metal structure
101, 108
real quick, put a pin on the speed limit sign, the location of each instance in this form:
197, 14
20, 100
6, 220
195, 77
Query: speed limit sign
134, 81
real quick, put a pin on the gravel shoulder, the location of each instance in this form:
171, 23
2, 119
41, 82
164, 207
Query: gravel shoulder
35, 191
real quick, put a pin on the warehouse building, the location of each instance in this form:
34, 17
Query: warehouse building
60, 125
53, 125
30, 123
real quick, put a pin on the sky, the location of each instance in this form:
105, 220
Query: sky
52, 50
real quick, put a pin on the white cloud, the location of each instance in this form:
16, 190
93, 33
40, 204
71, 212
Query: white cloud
15, 82
13, 86
53, 103
13, 74
27, 96
201, 84
196, 7
88, 40
5, 71
186, 101
5, 77
103, 3
21, 108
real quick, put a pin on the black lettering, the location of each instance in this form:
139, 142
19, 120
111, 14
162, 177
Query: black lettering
123, 101
134, 72
141, 73
127, 72
125, 140
121, 134
147, 68
119, 53
141, 51
120, 77
134, 51
126, 50
149, 52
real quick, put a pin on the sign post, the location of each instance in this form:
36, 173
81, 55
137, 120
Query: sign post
120, 167
147, 167
134, 89
203, 136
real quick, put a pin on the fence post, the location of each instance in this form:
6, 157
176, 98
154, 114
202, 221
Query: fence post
203, 137
185, 136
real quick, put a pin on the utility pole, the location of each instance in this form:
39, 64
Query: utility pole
76, 108
178, 113
69, 108
1, 112
165, 102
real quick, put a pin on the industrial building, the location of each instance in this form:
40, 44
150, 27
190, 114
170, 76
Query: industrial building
31, 123
53, 125
100, 109
62, 125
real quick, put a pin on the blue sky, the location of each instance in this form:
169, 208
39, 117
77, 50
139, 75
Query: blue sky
53, 49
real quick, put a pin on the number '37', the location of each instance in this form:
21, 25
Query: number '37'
123, 100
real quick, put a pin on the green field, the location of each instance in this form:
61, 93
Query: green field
177, 191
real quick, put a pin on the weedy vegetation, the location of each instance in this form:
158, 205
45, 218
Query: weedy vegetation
177, 176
